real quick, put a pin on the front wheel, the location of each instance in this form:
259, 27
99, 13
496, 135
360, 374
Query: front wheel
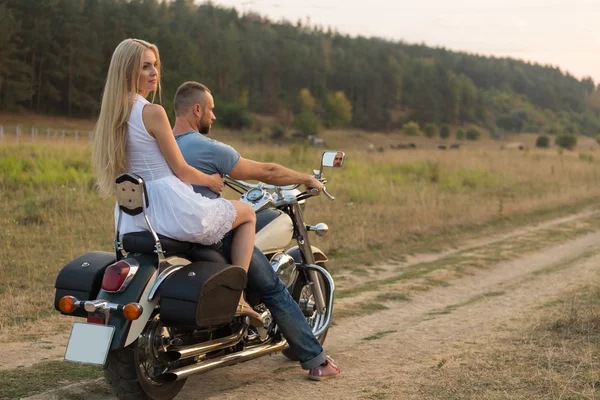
131, 372
302, 294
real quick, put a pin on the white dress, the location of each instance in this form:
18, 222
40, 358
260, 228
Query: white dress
175, 210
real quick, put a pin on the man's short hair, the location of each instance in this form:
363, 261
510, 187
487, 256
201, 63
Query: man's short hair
188, 94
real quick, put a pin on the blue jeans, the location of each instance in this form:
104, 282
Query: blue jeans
263, 281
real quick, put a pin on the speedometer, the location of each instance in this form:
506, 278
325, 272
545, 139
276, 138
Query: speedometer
254, 194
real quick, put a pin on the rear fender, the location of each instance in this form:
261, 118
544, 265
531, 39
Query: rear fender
127, 331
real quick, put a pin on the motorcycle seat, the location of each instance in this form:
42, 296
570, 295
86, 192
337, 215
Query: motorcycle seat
143, 242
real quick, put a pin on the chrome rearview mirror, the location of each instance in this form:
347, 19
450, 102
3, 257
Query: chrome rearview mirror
333, 159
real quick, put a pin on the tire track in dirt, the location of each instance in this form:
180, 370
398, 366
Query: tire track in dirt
388, 365
348, 280
435, 323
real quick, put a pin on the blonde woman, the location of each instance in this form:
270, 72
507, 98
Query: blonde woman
134, 135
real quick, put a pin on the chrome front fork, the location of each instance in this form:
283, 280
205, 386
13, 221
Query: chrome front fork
309, 259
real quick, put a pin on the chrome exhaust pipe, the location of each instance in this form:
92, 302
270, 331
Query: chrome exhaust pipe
179, 353
227, 360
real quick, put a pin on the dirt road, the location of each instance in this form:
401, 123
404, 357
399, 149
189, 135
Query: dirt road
473, 308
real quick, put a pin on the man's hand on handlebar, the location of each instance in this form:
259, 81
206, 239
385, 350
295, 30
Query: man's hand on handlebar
313, 183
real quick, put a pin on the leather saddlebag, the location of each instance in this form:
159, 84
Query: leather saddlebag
201, 294
82, 278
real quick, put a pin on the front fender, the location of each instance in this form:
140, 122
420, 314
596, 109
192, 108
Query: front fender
320, 257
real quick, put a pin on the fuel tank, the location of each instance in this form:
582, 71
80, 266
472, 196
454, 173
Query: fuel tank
274, 230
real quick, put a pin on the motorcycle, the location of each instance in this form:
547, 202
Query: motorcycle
159, 310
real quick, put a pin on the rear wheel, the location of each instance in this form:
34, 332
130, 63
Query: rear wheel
303, 295
132, 372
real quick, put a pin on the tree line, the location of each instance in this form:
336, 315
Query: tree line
54, 55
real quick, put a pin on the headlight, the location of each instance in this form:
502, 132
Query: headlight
283, 265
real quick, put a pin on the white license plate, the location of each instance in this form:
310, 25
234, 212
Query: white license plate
89, 343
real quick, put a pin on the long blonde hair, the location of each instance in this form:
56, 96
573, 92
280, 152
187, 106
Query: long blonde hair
109, 158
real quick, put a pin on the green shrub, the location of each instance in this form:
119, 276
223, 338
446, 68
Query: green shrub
278, 132
338, 110
598, 139
412, 129
445, 132
566, 141
308, 123
234, 116
542, 142
430, 130
473, 134
460, 134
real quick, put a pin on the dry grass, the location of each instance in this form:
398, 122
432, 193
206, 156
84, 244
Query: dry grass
556, 358
17, 384
28, 120
49, 212
387, 197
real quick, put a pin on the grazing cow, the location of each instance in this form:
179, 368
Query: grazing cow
455, 146
442, 147
513, 145
315, 140
412, 146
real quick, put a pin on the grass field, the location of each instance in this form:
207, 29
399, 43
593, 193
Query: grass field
50, 212
389, 203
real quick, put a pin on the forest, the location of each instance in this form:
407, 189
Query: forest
54, 55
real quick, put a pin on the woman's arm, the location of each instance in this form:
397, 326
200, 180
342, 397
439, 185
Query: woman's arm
157, 124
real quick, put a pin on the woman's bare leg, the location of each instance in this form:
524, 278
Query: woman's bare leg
242, 244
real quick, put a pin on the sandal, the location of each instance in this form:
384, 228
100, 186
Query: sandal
244, 309
326, 370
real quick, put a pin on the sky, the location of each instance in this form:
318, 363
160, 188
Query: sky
563, 33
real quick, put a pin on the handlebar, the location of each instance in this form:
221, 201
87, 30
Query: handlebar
247, 186
259, 185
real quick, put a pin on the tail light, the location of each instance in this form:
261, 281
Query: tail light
118, 276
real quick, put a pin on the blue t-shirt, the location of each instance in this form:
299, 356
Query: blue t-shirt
208, 156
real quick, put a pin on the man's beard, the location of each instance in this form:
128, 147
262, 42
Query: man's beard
204, 128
